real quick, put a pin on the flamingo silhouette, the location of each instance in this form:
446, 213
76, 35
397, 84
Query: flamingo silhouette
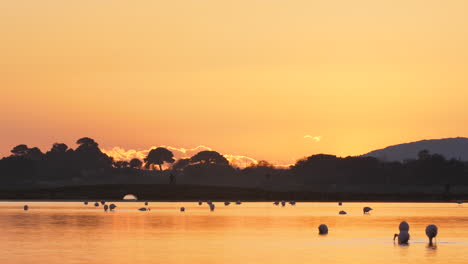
404, 235
366, 210
431, 232
323, 229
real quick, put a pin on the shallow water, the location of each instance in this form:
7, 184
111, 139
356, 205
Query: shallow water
70, 232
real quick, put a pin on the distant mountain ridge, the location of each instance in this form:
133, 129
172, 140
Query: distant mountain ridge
450, 148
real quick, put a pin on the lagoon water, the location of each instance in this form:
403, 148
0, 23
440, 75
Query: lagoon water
70, 232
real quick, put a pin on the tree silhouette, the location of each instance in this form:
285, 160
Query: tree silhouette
121, 164
28, 153
209, 157
59, 148
135, 163
89, 156
181, 164
424, 154
86, 143
158, 156
262, 164
20, 150
34, 154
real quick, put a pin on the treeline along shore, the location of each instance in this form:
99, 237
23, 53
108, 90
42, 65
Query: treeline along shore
181, 192
87, 173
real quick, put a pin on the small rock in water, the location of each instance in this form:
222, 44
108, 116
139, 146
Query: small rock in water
26, 207
182, 209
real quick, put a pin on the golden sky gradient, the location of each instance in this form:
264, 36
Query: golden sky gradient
245, 77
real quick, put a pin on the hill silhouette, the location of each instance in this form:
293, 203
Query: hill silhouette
450, 148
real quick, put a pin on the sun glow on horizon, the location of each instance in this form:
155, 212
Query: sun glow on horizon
249, 76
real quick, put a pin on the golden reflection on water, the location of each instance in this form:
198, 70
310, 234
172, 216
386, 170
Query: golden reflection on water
70, 232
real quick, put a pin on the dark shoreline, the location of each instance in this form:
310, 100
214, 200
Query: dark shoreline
166, 192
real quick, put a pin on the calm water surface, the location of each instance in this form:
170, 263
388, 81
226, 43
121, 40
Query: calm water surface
70, 232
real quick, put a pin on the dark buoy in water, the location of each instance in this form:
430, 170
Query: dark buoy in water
143, 209
146, 203
212, 207
106, 207
200, 202
96, 204
340, 203
86, 203
238, 202
323, 229
283, 203
182, 209
342, 212
103, 202
292, 202
276, 203
26, 207
227, 203
112, 207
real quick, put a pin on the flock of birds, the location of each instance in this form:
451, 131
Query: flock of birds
403, 236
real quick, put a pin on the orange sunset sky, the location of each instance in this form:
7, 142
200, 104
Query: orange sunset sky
244, 77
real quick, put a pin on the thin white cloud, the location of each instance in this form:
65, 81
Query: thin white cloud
119, 153
315, 138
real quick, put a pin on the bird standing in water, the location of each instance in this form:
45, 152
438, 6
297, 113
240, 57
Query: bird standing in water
431, 232
403, 236
366, 210
323, 229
